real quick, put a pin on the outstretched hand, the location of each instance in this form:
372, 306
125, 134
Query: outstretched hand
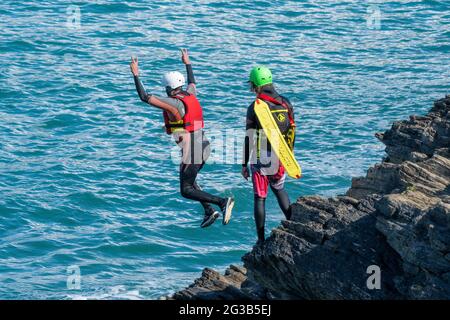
134, 66
185, 56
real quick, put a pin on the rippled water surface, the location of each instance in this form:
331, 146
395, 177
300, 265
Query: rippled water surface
85, 178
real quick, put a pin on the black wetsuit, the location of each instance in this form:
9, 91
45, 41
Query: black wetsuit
189, 171
280, 193
192, 161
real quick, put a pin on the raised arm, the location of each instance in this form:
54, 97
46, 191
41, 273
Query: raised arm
143, 95
154, 101
189, 71
148, 98
134, 67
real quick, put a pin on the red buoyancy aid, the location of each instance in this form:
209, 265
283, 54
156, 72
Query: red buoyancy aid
268, 98
290, 134
193, 114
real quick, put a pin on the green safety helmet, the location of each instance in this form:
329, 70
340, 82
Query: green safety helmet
260, 76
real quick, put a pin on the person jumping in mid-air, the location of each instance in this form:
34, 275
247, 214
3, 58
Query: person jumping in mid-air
183, 119
267, 169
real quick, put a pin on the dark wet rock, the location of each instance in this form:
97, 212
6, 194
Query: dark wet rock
234, 285
397, 218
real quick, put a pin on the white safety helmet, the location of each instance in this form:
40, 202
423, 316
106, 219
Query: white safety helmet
173, 80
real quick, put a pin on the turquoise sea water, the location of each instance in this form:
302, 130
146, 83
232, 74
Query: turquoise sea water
86, 178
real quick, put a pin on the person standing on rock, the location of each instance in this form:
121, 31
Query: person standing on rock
183, 118
265, 167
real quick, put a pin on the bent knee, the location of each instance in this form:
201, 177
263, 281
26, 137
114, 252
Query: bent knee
186, 191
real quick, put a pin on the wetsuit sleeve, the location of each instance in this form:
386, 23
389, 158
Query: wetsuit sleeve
191, 80
154, 101
190, 74
191, 89
251, 121
250, 126
173, 102
143, 95
160, 104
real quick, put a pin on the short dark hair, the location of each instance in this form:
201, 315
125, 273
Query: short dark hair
262, 88
170, 91
267, 86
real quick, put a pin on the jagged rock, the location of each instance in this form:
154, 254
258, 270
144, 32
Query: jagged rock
214, 286
297, 265
419, 134
397, 217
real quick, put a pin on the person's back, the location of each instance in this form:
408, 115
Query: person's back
283, 113
265, 168
188, 132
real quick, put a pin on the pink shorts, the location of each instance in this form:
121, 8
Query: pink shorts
261, 182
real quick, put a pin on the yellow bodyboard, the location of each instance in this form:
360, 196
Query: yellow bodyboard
276, 139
